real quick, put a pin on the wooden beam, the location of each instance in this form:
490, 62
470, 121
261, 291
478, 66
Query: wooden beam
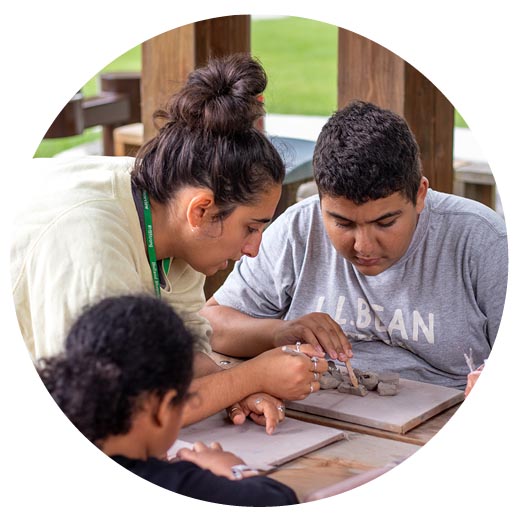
367, 71
70, 120
117, 104
168, 58
107, 109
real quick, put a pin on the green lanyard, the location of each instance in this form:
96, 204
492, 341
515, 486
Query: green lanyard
149, 237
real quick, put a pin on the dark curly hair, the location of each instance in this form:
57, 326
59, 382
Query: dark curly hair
116, 352
365, 153
208, 138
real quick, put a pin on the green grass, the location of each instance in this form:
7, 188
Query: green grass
300, 58
128, 62
51, 147
459, 121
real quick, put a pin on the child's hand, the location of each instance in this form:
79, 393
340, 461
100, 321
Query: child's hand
212, 458
472, 378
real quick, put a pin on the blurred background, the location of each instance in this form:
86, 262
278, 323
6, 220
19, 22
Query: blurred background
313, 68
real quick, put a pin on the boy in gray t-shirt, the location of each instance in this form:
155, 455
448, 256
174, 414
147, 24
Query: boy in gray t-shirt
409, 278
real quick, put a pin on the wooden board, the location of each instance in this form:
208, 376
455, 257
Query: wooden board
414, 403
418, 435
291, 439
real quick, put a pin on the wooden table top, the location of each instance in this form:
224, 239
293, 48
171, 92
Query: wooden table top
366, 452
345, 463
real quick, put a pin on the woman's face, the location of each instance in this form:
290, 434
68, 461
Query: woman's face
221, 241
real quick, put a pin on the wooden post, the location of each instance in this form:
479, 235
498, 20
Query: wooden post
369, 72
168, 58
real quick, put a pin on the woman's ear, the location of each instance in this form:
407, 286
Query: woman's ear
199, 206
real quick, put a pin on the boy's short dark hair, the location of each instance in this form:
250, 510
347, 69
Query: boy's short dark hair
365, 153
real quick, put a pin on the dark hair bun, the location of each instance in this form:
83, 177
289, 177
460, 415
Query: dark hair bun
222, 97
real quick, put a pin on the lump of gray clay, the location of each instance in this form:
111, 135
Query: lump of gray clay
368, 379
389, 378
387, 389
347, 387
328, 381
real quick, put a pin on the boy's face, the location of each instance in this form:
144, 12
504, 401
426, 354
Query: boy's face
375, 235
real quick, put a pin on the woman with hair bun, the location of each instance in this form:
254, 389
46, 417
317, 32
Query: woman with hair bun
123, 382
198, 195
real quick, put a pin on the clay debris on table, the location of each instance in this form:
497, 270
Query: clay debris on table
385, 383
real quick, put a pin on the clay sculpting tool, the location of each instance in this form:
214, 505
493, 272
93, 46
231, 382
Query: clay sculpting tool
350, 372
352, 375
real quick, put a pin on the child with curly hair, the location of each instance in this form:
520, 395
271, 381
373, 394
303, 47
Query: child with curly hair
123, 381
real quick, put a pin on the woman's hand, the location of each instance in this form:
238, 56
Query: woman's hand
317, 329
211, 457
288, 373
262, 408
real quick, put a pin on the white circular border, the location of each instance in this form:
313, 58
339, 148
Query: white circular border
466, 49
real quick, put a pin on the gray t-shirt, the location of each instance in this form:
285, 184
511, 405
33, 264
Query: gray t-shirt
444, 297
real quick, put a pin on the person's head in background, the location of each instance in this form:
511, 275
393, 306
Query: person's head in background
210, 167
368, 172
124, 375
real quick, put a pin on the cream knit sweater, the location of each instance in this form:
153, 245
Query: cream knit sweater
78, 239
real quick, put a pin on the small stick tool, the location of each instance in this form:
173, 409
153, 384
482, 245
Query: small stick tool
352, 376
